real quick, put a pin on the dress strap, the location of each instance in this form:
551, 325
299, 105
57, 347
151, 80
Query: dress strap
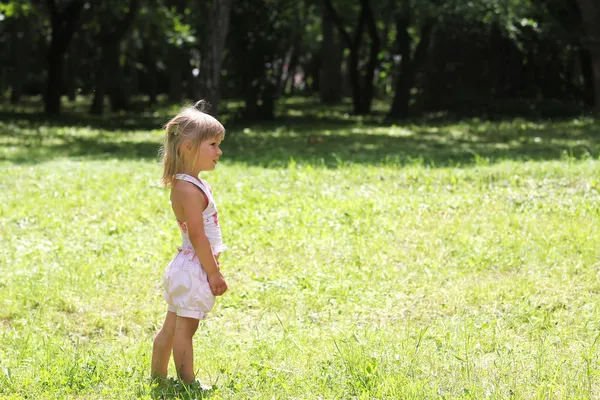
191, 179
195, 181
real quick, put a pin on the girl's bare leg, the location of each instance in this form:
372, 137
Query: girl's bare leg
183, 351
163, 343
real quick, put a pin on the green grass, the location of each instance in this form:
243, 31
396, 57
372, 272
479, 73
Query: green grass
424, 260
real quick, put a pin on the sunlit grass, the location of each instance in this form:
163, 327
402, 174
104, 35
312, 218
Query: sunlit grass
354, 272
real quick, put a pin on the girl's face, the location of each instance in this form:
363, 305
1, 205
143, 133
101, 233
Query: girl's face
208, 155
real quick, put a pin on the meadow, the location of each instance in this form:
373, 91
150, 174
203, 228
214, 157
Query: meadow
433, 258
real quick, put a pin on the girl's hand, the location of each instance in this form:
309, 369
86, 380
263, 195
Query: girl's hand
217, 283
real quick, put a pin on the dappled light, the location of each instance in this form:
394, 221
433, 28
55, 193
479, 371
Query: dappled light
314, 138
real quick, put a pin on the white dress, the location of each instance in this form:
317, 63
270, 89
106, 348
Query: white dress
185, 282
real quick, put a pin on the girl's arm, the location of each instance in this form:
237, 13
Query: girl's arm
193, 202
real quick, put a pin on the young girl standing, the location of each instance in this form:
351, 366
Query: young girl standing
192, 279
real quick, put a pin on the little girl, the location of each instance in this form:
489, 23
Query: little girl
192, 279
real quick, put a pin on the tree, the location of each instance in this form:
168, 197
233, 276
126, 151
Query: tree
362, 89
177, 58
210, 70
63, 22
410, 61
261, 34
431, 55
590, 14
330, 88
20, 22
109, 73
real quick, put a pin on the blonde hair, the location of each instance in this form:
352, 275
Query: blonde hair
192, 125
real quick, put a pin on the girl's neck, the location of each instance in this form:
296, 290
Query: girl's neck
191, 173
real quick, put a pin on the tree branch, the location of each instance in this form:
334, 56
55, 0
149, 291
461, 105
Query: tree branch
423, 46
337, 21
362, 17
370, 20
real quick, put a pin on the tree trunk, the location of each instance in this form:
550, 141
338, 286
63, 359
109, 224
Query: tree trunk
118, 92
353, 58
20, 52
286, 69
152, 73
210, 70
590, 12
176, 73
330, 88
103, 71
131, 70
405, 72
354, 76
109, 80
63, 26
55, 72
409, 64
312, 73
292, 78
109, 76
368, 92
287, 84
595, 56
177, 63
587, 74
353, 70
72, 67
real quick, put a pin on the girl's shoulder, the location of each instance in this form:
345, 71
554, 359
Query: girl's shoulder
183, 186
183, 189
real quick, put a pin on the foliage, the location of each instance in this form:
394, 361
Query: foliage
261, 32
498, 45
15, 9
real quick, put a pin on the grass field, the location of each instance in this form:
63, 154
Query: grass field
432, 259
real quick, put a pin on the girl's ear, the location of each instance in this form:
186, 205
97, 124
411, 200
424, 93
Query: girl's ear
186, 146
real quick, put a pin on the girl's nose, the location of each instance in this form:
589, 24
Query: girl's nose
219, 151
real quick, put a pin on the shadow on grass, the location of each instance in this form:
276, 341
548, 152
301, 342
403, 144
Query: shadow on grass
312, 136
112, 122
173, 389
